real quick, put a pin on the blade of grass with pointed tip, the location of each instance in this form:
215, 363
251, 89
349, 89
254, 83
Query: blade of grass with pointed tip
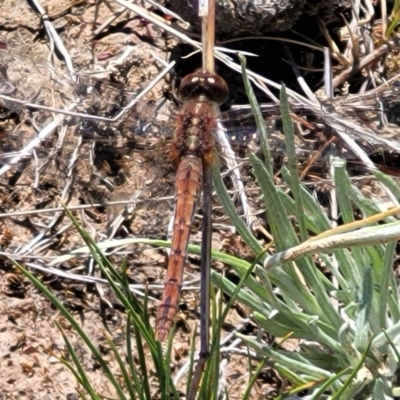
343, 185
253, 379
129, 351
282, 230
292, 157
259, 119
389, 182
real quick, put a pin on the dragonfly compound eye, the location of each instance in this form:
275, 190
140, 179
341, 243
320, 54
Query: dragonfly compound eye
201, 83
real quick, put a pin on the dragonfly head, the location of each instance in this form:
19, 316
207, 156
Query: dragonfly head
199, 83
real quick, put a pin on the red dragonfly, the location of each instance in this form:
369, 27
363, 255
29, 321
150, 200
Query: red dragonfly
192, 151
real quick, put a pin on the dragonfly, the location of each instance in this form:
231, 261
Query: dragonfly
193, 144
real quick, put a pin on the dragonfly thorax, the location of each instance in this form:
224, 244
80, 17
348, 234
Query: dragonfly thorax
196, 124
192, 144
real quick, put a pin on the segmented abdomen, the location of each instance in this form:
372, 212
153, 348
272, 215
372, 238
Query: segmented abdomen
188, 185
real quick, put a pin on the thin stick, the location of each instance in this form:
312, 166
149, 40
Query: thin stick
198, 373
207, 14
365, 62
205, 269
205, 264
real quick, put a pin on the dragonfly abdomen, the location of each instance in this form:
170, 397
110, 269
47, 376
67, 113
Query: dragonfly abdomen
188, 186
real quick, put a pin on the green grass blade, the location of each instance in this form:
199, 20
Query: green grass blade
252, 381
294, 181
259, 118
230, 210
329, 382
340, 394
237, 289
388, 181
315, 218
79, 373
215, 359
129, 350
394, 19
363, 318
191, 361
385, 283
127, 295
124, 371
281, 228
124, 296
